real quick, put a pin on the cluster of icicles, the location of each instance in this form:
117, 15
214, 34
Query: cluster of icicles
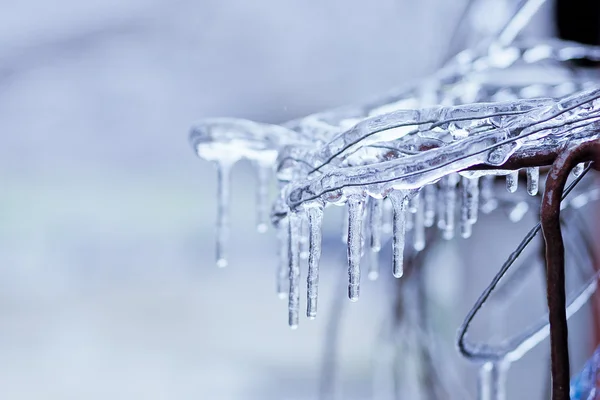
432, 164
421, 157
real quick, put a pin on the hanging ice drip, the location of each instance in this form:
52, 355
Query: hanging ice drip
437, 166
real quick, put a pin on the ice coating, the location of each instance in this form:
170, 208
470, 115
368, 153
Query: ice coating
294, 223
399, 203
355, 215
315, 217
223, 198
533, 180
473, 118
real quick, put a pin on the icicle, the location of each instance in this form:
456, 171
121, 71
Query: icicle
315, 217
262, 197
355, 214
533, 180
430, 198
294, 270
512, 181
375, 223
492, 381
303, 239
399, 203
488, 202
283, 268
469, 205
473, 199
223, 183
578, 169
448, 206
419, 229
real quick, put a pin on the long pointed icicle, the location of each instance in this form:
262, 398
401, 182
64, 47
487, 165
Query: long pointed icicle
262, 197
375, 223
283, 267
512, 181
355, 214
430, 197
399, 203
315, 218
533, 180
294, 270
223, 198
419, 229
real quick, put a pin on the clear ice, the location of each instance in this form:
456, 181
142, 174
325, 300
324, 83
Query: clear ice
438, 151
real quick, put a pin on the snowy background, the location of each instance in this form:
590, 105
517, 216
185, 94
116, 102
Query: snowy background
108, 288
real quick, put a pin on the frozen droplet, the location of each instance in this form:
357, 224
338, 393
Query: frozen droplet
223, 198
430, 197
512, 181
419, 228
578, 169
399, 203
262, 197
315, 217
533, 180
492, 381
283, 267
355, 215
375, 223
294, 269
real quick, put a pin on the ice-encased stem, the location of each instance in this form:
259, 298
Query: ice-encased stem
262, 197
492, 381
533, 180
399, 203
512, 181
430, 197
315, 218
283, 267
294, 223
375, 223
223, 199
355, 214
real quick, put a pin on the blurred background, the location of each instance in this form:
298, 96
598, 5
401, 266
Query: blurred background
108, 288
